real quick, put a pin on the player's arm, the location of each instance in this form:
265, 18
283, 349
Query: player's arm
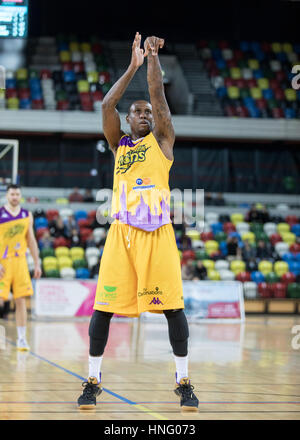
163, 128
2, 271
110, 116
33, 247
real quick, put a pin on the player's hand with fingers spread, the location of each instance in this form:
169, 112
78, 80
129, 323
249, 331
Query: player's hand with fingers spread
2, 271
137, 56
153, 44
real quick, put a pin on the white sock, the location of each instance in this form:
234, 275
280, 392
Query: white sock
95, 366
21, 332
181, 367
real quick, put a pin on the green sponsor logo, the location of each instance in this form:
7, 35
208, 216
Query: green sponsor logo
110, 293
110, 288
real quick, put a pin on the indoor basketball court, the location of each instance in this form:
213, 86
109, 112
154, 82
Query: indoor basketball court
240, 372
149, 167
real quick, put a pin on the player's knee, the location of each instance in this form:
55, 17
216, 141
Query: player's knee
99, 323
98, 332
178, 331
20, 302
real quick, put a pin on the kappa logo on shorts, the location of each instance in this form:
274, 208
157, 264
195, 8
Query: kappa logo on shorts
156, 301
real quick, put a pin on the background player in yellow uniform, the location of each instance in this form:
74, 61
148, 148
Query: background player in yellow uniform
140, 266
16, 234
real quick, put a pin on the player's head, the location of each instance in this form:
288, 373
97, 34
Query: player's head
140, 118
13, 194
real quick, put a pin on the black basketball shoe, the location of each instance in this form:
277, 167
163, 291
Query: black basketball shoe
188, 400
91, 390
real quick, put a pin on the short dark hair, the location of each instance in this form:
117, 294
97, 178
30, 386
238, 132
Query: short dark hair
134, 102
12, 186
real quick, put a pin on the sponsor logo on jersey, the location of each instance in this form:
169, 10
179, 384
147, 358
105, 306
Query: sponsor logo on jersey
15, 230
132, 156
150, 292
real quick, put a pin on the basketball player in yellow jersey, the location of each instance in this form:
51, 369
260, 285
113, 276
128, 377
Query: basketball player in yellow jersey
16, 234
140, 265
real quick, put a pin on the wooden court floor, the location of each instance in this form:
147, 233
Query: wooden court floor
244, 371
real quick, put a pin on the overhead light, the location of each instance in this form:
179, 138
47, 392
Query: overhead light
101, 146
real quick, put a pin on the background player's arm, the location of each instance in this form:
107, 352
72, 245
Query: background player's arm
110, 116
163, 129
33, 247
2, 271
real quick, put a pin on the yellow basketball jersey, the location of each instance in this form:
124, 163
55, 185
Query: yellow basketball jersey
13, 231
141, 193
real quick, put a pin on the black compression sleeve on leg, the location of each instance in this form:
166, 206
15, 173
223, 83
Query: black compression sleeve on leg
98, 332
178, 331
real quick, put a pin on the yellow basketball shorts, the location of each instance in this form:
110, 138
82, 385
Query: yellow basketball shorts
139, 271
16, 278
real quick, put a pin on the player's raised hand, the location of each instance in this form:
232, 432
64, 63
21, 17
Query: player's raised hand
152, 45
137, 56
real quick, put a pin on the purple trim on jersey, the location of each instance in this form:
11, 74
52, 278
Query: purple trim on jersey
143, 218
6, 216
126, 141
5, 253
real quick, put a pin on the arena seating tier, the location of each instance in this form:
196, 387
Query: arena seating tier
253, 79
79, 84
277, 275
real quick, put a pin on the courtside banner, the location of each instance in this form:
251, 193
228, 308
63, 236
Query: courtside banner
64, 298
204, 300
214, 300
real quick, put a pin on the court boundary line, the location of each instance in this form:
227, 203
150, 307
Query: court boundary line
66, 370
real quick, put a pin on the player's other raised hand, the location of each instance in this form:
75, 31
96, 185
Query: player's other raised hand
152, 45
137, 56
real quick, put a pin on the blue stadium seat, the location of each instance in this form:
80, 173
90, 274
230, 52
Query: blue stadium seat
294, 267
25, 104
217, 54
40, 222
290, 113
216, 227
11, 83
36, 94
35, 84
245, 46
260, 55
296, 229
69, 76
281, 56
82, 273
257, 277
268, 93
80, 215
258, 73
223, 248
288, 257
249, 101
221, 64
254, 111
63, 46
221, 92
